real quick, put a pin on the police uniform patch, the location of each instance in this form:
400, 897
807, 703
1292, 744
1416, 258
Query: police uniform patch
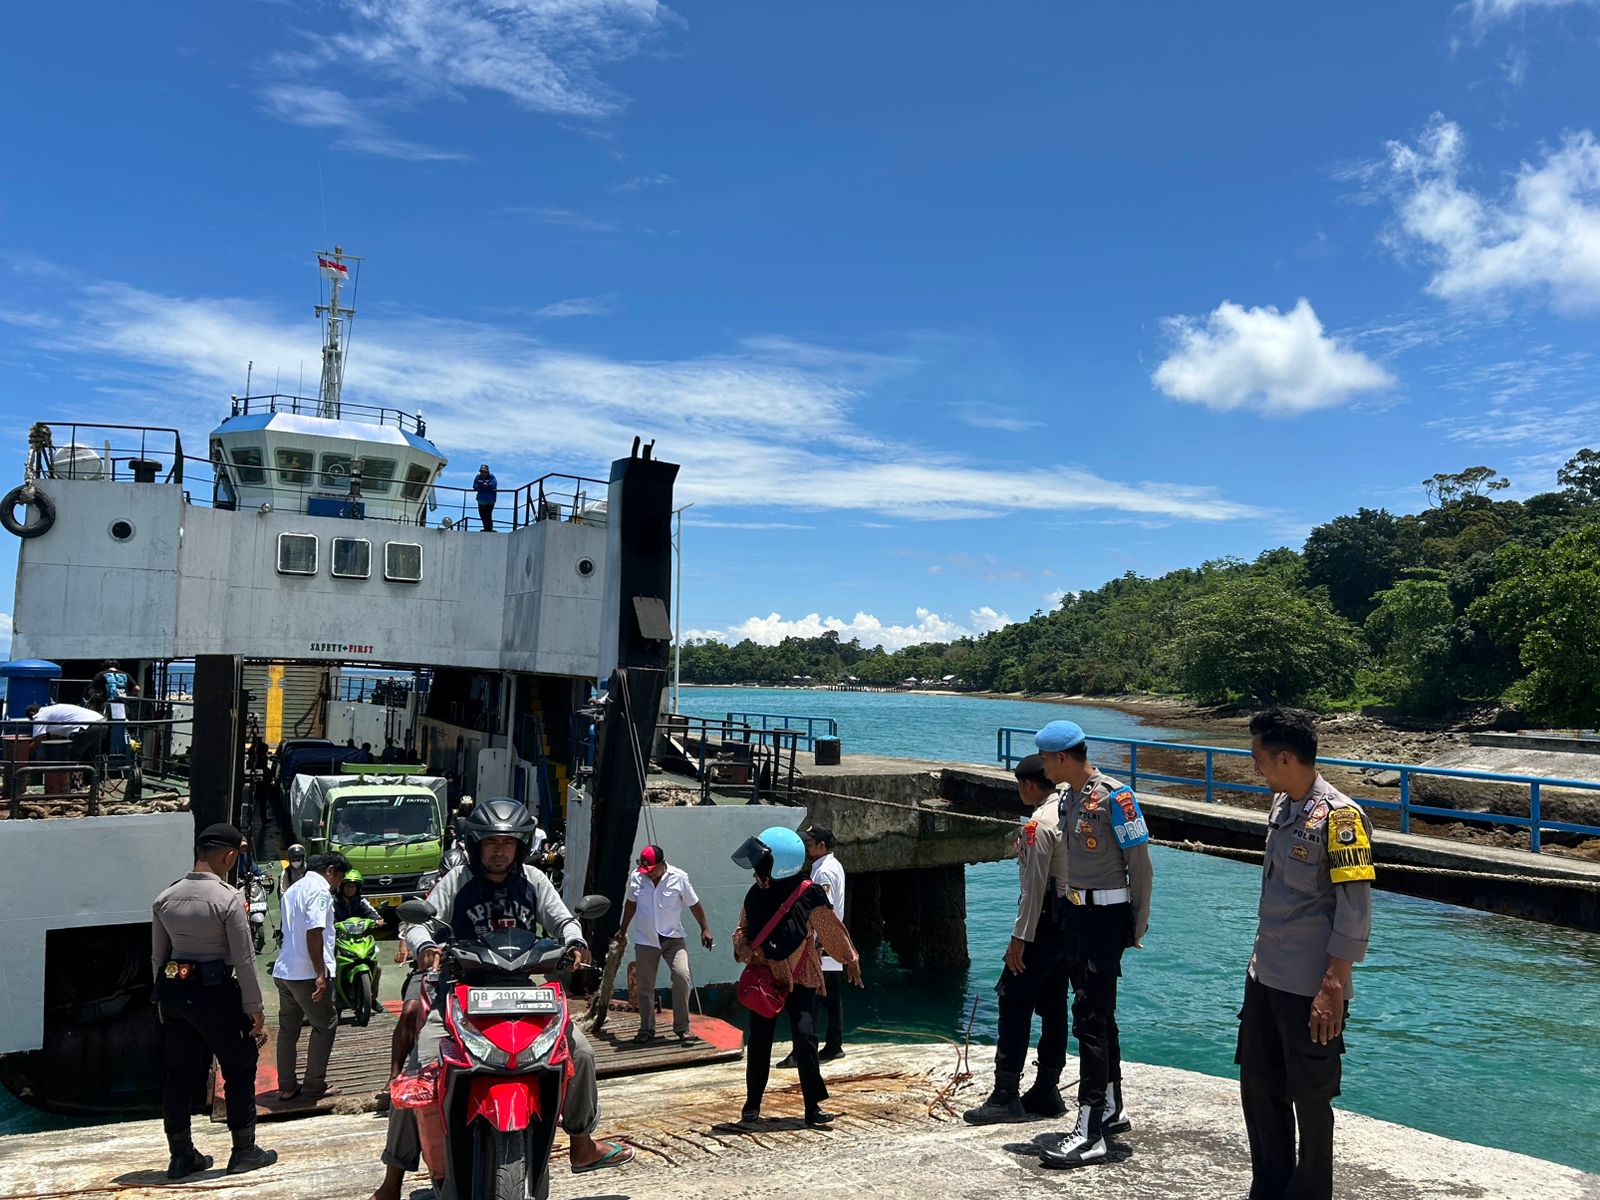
1030, 832
1350, 860
1316, 814
1086, 828
1092, 842
1131, 831
1303, 853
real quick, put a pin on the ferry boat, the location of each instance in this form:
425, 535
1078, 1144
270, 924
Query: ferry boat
313, 545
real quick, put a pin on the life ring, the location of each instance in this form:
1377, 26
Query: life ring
44, 516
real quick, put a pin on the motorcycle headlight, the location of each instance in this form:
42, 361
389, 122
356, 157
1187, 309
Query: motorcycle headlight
545, 1042
473, 1039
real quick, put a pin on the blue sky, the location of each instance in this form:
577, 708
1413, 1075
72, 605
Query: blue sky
944, 308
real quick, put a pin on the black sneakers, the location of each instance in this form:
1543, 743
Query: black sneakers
1003, 1104
190, 1162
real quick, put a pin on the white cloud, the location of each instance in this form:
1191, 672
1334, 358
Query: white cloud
1486, 12
578, 306
770, 424
993, 416
6, 630
929, 626
545, 56
639, 182
1540, 236
1277, 363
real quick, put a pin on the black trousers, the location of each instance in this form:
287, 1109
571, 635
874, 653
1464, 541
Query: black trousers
1044, 987
833, 1009
486, 515
199, 1022
1287, 1083
1096, 935
802, 1012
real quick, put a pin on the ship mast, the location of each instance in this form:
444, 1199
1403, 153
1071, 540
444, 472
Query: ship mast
335, 266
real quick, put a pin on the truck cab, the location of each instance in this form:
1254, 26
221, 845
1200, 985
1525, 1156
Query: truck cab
390, 827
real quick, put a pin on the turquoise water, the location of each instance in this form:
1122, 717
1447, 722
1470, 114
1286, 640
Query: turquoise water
1473, 1026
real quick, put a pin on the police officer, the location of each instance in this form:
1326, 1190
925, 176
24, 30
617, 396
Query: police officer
1108, 909
210, 1002
1316, 917
1035, 978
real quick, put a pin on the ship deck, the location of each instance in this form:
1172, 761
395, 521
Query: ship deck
360, 1065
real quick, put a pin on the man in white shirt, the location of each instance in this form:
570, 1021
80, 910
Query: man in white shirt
304, 973
61, 720
659, 893
828, 874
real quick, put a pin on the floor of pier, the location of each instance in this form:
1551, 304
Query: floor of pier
894, 1137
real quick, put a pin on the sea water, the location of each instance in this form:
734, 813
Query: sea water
1478, 1027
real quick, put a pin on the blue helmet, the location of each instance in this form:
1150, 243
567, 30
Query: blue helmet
776, 853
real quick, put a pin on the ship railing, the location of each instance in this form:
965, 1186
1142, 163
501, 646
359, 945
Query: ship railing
1534, 786
760, 760
116, 453
807, 727
138, 750
310, 406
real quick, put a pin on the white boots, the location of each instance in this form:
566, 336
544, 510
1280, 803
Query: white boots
1085, 1143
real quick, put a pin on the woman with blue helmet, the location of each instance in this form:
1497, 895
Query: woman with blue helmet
778, 858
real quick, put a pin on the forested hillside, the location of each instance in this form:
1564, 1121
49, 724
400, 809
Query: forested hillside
1474, 599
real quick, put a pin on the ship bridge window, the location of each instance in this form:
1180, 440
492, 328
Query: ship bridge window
417, 477
294, 466
250, 463
297, 554
352, 558
335, 470
402, 562
377, 476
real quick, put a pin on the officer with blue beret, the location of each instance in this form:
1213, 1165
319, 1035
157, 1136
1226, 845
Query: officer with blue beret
1109, 877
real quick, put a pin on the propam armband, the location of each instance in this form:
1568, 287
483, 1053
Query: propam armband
1349, 848
1127, 822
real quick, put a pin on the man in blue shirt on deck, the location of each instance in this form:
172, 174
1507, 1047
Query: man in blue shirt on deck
486, 488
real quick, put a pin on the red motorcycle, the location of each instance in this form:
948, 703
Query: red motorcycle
487, 1111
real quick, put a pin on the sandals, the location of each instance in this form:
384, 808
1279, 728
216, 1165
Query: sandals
619, 1155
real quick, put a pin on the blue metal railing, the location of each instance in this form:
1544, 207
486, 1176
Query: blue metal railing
769, 721
1534, 822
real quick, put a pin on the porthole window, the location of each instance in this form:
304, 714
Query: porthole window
297, 554
122, 530
402, 562
585, 567
352, 558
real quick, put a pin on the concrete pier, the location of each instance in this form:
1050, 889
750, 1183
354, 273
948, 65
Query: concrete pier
893, 1138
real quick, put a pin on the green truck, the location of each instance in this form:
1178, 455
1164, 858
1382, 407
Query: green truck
389, 825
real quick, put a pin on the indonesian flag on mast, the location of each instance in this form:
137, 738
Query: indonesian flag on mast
333, 270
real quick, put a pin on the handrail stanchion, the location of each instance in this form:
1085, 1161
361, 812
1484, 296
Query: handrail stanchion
1405, 801
1210, 778
1133, 767
1533, 818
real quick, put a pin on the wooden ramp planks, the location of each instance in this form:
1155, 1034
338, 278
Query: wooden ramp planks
360, 1064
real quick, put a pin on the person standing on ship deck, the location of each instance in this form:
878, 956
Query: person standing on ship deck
1315, 921
659, 893
302, 973
1109, 877
486, 488
209, 1001
1035, 978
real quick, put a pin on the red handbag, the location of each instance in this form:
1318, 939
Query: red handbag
758, 988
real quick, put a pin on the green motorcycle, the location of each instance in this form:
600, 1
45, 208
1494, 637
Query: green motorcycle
355, 962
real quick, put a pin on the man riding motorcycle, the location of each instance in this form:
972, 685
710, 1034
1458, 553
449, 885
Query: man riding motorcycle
349, 902
496, 889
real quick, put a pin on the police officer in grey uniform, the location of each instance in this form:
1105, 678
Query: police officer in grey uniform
1316, 917
1035, 979
1109, 877
210, 1002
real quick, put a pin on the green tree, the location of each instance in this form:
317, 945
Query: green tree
1355, 558
1546, 603
1412, 629
1581, 474
1463, 487
1256, 637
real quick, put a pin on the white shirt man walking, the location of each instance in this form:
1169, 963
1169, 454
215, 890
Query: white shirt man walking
827, 873
304, 973
658, 894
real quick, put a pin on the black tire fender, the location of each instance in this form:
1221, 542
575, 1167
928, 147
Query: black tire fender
44, 515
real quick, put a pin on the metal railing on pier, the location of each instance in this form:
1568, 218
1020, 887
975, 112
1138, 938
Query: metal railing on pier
806, 727
82, 765
762, 760
1535, 822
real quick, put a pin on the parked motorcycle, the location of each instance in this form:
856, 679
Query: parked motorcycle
257, 887
488, 1116
355, 964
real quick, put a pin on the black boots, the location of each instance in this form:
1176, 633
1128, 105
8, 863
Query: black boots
1043, 1099
1003, 1103
1083, 1144
247, 1156
185, 1163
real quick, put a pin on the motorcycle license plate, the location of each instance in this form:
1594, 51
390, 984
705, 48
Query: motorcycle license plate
511, 1000
258, 906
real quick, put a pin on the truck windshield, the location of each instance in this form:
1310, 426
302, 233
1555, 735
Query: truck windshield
371, 820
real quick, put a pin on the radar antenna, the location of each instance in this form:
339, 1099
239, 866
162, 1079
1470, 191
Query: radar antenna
335, 267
